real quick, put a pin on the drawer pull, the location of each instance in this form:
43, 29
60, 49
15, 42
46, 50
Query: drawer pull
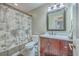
71, 46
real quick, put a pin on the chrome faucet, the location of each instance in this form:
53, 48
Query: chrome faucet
52, 33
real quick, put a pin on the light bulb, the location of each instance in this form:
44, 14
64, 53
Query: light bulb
54, 7
61, 5
15, 4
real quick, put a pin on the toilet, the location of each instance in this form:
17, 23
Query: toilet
30, 47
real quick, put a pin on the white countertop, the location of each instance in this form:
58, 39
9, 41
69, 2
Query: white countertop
60, 37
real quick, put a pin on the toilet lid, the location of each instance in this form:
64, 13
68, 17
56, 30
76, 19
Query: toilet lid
30, 44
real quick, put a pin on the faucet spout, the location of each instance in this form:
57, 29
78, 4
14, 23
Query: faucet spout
52, 33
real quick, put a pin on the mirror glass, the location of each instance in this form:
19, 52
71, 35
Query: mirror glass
56, 20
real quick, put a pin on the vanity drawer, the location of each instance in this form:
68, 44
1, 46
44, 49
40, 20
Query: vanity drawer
65, 49
54, 47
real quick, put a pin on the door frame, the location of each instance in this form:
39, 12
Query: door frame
74, 24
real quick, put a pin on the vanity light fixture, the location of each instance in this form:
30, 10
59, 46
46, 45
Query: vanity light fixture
55, 6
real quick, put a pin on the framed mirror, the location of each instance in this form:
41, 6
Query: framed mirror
56, 20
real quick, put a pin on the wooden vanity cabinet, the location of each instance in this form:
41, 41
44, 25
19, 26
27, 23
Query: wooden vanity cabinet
43, 46
54, 47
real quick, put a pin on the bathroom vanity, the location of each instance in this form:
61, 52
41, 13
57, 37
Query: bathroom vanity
57, 43
55, 46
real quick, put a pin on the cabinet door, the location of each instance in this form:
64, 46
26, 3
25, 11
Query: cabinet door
43, 46
54, 48
65, 49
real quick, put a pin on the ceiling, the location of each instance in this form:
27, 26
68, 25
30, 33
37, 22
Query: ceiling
26, 6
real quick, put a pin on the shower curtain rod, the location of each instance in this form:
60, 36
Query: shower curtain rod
15, 8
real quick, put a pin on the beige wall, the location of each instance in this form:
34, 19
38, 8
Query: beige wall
40, 16
39, 19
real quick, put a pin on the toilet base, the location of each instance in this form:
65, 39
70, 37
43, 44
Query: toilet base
27, 52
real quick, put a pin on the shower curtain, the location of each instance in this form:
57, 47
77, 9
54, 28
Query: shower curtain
15, 29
